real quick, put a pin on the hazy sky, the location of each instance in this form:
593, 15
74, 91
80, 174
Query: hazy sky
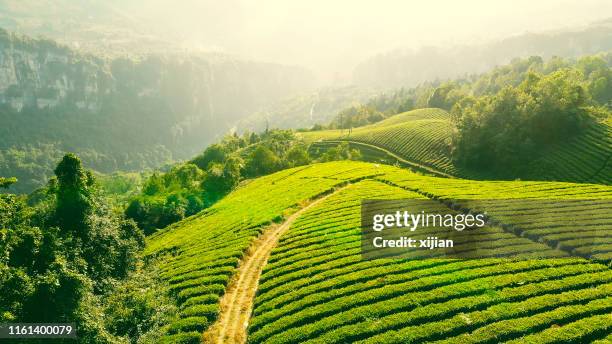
334, 35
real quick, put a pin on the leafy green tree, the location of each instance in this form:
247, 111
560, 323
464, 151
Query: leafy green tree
73, 195
444, 96
215, 153
262, 161
297, 156
154, 185
56, 259
6, 182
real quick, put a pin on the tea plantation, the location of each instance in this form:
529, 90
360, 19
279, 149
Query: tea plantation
198, 256
422, 138
317, 288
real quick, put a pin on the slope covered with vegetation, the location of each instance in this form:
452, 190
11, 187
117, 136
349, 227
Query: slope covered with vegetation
197, 256
421, 136
124, 112
316, 282
317, 288
530, 119
192, 186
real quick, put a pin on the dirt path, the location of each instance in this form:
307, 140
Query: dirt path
237, 303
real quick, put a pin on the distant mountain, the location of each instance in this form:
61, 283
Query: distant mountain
307, 109
95, 26
121, 111
409, 67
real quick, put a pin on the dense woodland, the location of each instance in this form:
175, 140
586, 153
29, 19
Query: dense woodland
64, 253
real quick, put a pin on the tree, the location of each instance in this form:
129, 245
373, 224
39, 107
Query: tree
221, 179
6, 182
297, 156
73, 195
262, 161
214, 153
55, 257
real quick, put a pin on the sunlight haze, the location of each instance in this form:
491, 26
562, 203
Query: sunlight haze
331, 37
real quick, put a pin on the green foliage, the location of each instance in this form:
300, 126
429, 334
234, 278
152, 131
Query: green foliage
317, 288
138, 308
505, 131
168, 197
445, 96
6, 182
262, 161
60, 256
199, 275
190, 187
524, 120
215, 153
340, 152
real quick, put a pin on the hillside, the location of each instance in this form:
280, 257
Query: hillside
419, 136
306, 110
422, 138
55, 99
410, 67
317, 288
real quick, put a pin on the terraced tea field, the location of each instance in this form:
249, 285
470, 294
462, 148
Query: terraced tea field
587, 158
420, 139
420, 136
317, 288
198, 256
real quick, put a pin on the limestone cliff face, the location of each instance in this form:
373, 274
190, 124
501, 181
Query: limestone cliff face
42, 74
122, 113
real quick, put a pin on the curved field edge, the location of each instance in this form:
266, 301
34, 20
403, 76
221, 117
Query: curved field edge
237, 302
317, 289
422, 138
198, 256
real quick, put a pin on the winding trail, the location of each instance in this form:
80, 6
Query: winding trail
237, 302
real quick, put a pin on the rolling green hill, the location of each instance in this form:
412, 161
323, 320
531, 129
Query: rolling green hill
316, 287
419, 136
421, 139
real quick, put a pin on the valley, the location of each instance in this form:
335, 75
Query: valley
306, 172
